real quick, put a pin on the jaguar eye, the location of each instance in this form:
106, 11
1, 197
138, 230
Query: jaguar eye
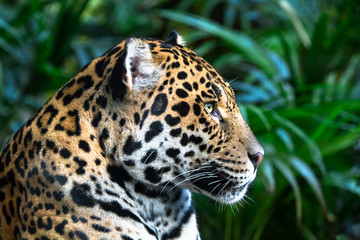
209, 107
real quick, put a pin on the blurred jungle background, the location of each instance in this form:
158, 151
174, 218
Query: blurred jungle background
294, 64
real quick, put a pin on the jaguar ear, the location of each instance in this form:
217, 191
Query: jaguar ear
174, 38
135, 69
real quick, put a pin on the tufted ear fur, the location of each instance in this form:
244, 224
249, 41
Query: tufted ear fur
141, 69
175, 38
135, 70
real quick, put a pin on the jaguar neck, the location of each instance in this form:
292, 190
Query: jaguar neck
161, 208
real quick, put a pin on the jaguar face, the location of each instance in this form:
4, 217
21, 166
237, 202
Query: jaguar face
187, 128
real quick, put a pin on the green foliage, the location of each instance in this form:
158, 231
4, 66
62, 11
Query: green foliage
295, 66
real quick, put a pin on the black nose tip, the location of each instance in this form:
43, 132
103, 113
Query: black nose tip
256, 158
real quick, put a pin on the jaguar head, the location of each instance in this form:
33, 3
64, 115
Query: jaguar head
183, 126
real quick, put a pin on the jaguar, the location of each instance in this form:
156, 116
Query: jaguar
117, 151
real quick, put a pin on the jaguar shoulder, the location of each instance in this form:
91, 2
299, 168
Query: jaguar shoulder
116, 151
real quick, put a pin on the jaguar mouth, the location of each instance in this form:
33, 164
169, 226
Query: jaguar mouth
217, 184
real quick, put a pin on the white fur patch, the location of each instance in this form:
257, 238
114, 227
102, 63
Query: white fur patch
180, 40
141, 71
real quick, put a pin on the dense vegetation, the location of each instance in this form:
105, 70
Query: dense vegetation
295, 66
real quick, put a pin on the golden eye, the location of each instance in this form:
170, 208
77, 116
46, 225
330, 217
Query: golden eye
209, 107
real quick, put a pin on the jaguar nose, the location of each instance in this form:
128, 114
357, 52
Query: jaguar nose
256, 159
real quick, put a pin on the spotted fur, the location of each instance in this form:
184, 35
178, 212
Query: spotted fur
116, 151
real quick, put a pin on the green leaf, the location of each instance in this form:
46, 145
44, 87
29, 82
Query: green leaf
290, 177
67, 24
195, 36
300, 30
308, 234
228, 60
347, 76
321, 129
230, 13
206, 48
285, 138
341, 142
311, 179
268, 173
2, 82
260, 113
267, 84
342, 237
12, 51
11, 31
342, 181
250, 93
312, 147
